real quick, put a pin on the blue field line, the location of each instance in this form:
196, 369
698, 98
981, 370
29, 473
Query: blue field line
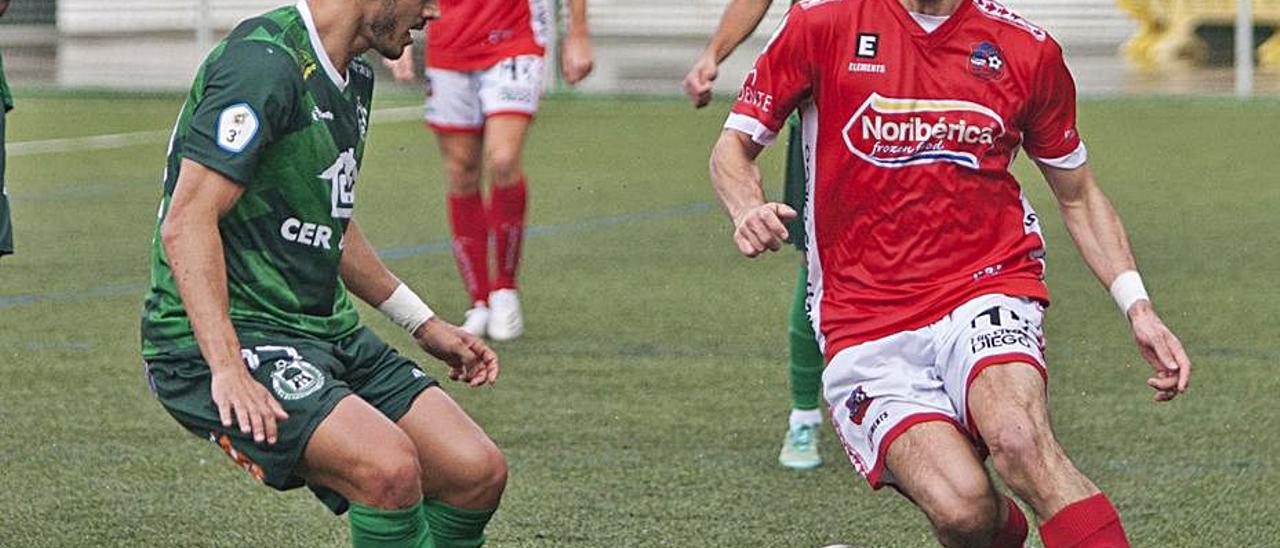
394, 253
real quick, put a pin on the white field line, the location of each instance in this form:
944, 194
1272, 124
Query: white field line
122, 140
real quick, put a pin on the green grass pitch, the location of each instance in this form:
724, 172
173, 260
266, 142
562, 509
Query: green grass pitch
646, 401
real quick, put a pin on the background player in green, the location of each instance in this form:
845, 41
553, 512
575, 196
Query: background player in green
800, 446
6, 104
250, 337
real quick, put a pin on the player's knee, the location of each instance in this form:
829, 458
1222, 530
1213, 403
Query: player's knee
1017, 445
463, 179
390, 477
966, 516
487, 474
504, 166
962, 507
478, 479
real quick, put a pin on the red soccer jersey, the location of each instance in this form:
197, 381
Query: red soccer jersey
477, 34
908, 139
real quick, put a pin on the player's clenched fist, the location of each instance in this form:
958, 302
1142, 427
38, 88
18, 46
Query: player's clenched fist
697, 84
761, 228
470, 360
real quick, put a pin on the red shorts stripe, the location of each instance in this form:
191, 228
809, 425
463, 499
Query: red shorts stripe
874, 477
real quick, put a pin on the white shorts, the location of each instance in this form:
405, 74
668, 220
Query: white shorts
460, 102
878, 389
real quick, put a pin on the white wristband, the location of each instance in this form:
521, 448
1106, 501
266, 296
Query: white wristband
406, 309
1127, 290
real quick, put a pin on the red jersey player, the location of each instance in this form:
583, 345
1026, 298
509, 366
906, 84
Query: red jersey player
926, 259
484, 78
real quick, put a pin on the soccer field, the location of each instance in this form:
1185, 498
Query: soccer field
645, 404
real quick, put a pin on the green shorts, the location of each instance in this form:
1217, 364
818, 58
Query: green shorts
308, 376
794, 187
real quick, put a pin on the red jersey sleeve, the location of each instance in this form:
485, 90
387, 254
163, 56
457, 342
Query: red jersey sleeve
1051, 137
780, 79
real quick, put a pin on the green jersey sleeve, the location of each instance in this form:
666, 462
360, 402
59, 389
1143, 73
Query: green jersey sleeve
250, 98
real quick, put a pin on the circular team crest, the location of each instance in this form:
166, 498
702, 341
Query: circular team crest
296, 379
986, 61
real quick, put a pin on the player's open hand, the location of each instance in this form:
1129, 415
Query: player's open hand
1162, 349
759, 229
470, 360
697, 84
577, 59
252, 406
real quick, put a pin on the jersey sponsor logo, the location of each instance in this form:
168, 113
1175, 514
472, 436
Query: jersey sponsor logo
237, 126
361, 69
342, 179
317, 114
754, 97
986, 61
309, 234
868, 45
362, 117
896, 133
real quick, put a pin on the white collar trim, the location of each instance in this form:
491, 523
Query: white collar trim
339, 79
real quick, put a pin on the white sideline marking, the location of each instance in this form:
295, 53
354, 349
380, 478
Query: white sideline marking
122, 140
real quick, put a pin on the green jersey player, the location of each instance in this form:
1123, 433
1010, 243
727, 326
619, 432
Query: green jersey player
6, 104
800, 446
250, 337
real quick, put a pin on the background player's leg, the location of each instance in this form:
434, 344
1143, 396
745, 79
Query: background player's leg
463, 472
939, 470
362, 455
6, 223
804, 365
468, 220
503, 149
1008, 406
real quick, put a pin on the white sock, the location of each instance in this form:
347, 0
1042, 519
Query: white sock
805, 417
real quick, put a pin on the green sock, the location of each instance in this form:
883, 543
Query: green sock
453, 527
377, 528
805, 363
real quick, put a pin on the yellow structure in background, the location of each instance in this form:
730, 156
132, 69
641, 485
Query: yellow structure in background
1166, 34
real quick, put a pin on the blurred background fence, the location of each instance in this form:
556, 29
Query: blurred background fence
644, 46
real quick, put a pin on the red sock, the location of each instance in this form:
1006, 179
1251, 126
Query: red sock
506, 218
1086, 523
1014, 533
471, 243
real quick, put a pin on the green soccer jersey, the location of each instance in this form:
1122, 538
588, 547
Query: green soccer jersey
270, 111
6, 99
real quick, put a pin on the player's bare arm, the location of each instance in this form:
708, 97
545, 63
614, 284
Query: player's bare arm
578, 58
469, 359
194, 249
757, 224
740, 19
1099, 234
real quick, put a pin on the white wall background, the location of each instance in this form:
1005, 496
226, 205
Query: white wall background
1080, 22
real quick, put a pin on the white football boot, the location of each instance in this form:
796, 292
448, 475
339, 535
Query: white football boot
477, 322
505, 320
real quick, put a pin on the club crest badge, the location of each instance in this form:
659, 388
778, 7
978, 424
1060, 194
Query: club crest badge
986, 61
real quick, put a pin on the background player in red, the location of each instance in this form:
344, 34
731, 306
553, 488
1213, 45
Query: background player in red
484, 77
927, 260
